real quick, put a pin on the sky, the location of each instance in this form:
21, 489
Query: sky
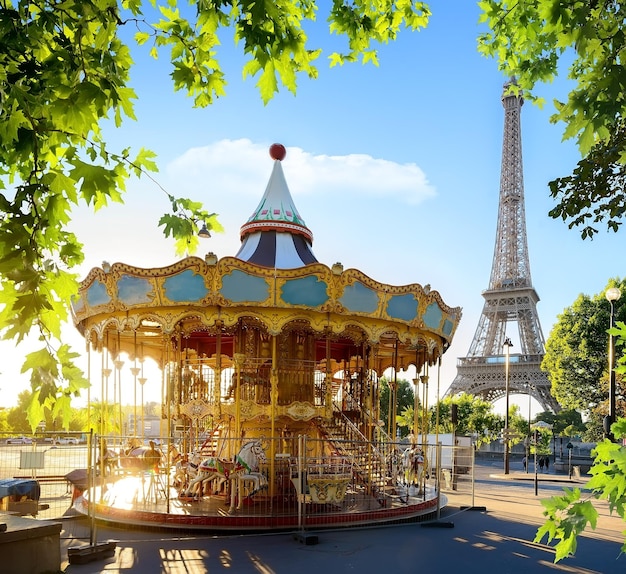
395, 169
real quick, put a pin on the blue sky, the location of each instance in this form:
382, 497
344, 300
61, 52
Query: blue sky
395, 169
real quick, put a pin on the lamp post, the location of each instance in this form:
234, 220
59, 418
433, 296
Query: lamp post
507, 356
612, 295
527, 441
570, 446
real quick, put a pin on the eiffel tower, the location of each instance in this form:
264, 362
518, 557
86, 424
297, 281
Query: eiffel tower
510, 298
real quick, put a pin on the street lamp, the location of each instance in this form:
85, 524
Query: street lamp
612, 295
527, 441
507, 356
570, 446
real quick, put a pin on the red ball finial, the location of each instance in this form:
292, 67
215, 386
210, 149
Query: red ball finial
278, 151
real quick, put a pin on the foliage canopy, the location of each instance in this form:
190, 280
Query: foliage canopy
533, 41
64, 70
576, 358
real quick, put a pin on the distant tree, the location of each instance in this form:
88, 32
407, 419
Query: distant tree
104, 419
475, 417
530, 41
406, 421
17, 419
405, 398
4, 425
517, 423
576, 359
565, 419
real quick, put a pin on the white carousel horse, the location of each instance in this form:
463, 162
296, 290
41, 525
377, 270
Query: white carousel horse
394, 465
412, 465
201, 472
244, 467
178, 463
247, 469
185, 473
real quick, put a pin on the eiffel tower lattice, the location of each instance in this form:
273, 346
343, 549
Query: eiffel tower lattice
511, 297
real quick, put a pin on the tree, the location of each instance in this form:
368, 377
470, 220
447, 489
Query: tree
576, 358
569, 515
64, 71
404, 399
563, 420
475, 416
530, 40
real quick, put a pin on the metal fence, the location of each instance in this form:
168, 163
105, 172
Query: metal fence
42, 475
231, 483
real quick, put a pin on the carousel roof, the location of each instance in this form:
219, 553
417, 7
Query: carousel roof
274, 278
275, 235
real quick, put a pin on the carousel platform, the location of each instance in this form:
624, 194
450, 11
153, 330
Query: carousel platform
145, 502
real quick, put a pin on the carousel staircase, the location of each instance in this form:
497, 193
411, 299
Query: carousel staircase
211, 445
369, 462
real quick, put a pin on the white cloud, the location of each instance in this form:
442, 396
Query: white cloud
243, 167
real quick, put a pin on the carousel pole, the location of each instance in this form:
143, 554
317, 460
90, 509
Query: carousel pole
87, 339
416, 381
168, 414
142, 382
118, 376
426, 429
135, 371
394, 401
274, 401
104, 410
329, 378
438, 450
238, 359
118, 363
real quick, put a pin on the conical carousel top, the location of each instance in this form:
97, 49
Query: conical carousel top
271, 303
276, 235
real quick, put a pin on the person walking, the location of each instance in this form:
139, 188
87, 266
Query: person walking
541, 463
547, 461
524, 462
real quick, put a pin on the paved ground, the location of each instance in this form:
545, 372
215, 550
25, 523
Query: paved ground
497, 540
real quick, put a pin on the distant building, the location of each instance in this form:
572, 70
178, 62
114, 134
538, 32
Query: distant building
151, 426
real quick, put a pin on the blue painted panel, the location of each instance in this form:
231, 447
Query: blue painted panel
433, 316
447, 327
402, 307
359, 298
78, 304
97, 294
239, 287
186, 286
134, 290
309, 291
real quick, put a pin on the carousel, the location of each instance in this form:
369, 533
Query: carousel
271, 366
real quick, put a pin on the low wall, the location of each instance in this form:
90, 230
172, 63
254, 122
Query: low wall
29, 546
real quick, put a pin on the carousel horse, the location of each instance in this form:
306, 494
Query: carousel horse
243, 467
186, 470
109, 461
394, 466
179, 463
141, 458
412, 465
247, 469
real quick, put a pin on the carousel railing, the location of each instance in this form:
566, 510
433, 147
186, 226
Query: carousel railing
322, 481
